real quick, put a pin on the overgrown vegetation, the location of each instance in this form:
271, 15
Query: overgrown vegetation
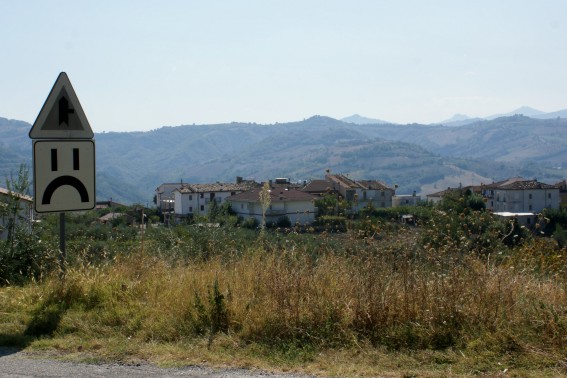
464, 292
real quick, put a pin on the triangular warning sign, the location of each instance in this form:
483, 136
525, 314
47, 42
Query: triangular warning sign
62, 116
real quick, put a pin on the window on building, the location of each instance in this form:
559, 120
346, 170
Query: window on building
530, 207
232, 193
190, 209
530, 196
202, 207
202, 195
382, 193
528, 220
549, 195
190, 198
242, 206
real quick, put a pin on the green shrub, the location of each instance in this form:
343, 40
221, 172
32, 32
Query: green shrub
250, 223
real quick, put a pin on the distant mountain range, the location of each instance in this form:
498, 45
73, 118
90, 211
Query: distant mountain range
463, 119
421, 158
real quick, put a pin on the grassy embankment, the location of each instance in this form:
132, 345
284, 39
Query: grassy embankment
347, 305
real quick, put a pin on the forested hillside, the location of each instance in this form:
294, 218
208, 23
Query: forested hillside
130, 165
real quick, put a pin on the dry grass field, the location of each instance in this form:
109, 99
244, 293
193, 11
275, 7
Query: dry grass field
351, 304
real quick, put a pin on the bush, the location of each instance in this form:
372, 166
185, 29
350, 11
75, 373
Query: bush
251, 223
29, 257
283, 222
471, 231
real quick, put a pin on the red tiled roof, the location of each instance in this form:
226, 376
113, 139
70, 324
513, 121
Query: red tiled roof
318, 186
343, 181
528, 184
374, 184
358, 184
518, 183
498, 184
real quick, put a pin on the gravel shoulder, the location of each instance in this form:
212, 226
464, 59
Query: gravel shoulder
17, 363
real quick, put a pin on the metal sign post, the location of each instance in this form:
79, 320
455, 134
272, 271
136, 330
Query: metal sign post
62, 252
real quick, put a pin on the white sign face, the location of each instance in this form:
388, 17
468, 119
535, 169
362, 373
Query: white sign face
61, 116
64, 175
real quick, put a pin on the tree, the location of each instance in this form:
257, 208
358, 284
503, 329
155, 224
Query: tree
214, 211
475, 201
265, 201
327, 205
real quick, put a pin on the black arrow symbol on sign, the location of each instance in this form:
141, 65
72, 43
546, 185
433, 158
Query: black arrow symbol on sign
64, 111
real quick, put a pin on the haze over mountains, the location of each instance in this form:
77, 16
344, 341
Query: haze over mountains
421, 158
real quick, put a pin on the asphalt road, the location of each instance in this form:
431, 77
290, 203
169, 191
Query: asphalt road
17, 364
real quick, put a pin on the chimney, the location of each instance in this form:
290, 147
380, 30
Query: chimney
239, 179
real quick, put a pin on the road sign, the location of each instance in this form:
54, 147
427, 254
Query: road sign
61, 116
64, 175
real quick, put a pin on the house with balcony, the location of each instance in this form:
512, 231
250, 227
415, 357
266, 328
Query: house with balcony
296, 205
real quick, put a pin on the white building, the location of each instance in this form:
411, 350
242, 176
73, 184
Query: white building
25, 213
195, 199
297, 206
518, 195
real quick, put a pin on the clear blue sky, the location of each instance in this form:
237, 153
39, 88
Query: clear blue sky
140, 65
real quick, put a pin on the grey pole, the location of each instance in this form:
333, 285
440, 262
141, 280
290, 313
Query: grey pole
62, 256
